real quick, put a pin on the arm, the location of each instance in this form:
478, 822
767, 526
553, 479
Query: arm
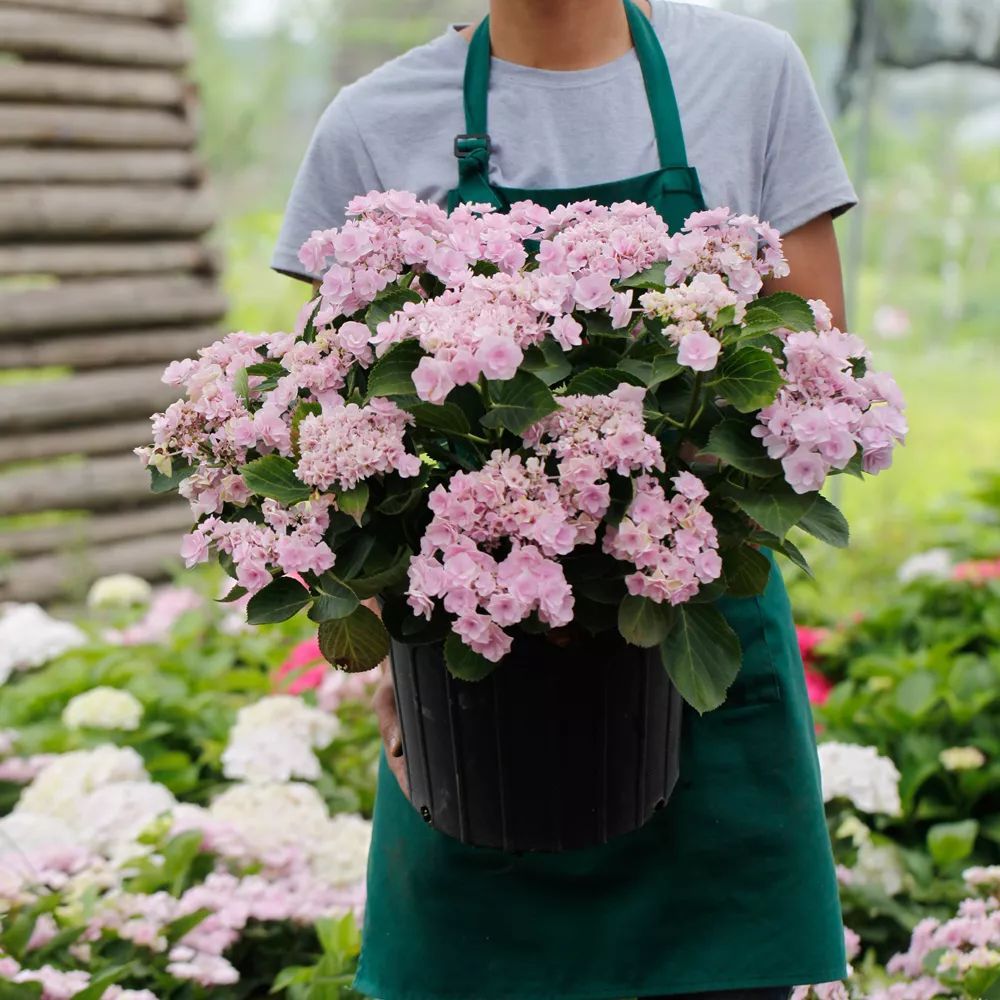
814, 262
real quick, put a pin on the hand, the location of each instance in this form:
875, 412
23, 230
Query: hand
384, 703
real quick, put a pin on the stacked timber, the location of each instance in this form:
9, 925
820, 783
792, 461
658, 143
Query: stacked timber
106, 274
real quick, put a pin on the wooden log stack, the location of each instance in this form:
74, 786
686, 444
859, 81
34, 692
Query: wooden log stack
106, 274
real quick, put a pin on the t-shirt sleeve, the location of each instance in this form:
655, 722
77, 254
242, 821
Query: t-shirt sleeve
804, 173
336, 167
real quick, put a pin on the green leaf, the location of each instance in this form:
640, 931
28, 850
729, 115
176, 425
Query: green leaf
375, 583
176, 929
917, 693
600, 382
269, 369
702, 655
643, 622
518, 403
793, 310
825, 522
159, 483
356, 643
776, 510
446, 417
748, 378
465, 663
99, 984
391, 300
19, 991
299, 414
334, 599
548, 361
759, 322
354, 501
282, 598
241, 385
653, 277
392, 374
747, 571
290, 976
732, 442
274, 476
665, 367
951, 842
234, 594
17, 933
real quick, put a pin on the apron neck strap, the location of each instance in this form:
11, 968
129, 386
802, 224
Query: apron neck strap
473, 147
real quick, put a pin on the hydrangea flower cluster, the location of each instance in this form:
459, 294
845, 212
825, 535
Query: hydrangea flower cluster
689, 312
825, 412
860, 775
347, 443
740, 248
274, 740
103, 708
481, 328
391, 231
29, 637
290, 538
672, 543
510, 501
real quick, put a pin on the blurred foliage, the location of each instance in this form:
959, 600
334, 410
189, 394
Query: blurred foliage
919, 674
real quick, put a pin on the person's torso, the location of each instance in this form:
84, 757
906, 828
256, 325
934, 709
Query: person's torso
558, 129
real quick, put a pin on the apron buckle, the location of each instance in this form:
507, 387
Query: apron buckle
469, 143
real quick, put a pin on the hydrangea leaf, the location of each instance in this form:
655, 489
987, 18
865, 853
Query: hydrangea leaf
643, 622
273, 476
776, 510
392, 374
354, 502
732, 442
652, 278
446, 417
601, 382
465, 663
390, 301
747, 378
793, 310
518, 403
747, 571
825, 521
277, 602
356, 643
702, 655
334, 599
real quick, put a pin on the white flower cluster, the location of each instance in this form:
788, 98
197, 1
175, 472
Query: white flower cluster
29, 638
860, 774
934, 563
274, 739
103, 708
121, 590
276, 817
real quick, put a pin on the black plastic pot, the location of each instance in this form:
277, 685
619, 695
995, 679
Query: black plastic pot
560, 748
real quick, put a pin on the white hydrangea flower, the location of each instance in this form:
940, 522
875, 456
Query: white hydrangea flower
962, 758
861, 775
103, 708
269, 754
273, 740
983, 877
935, 563
30, 638
111, 817
272, 816
25, 832
879, 865
289, 713
339, 853
120, 590
62, 784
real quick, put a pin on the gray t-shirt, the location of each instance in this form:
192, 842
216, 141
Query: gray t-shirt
752, 122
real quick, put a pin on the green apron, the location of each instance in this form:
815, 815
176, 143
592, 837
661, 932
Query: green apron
731, 886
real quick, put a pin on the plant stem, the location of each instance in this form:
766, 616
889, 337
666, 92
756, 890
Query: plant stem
694, 411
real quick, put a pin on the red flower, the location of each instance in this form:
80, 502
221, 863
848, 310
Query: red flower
306, 667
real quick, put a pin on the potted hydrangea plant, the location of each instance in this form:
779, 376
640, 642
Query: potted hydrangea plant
546, 442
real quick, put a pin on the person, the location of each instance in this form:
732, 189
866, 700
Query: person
730, 890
